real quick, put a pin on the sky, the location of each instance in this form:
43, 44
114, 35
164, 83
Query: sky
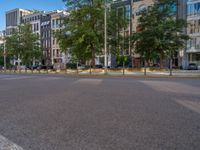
45, 5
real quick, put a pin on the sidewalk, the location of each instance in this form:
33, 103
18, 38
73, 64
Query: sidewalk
101, 72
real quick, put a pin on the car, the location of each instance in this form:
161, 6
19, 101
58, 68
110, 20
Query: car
99, 66
36, 66
23, 67
192, 66
81, 67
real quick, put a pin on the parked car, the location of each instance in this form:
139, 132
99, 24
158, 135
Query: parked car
81, 67
23, 67
44, 67
98, 66
36, 66
192, 66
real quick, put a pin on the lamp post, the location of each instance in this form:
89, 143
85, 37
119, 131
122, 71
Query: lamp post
105, 38
4, 51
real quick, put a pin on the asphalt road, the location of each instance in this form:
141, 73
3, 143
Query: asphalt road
44, 112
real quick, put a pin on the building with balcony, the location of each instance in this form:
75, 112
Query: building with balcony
137, 7
57, 56
34, 20
131, 10
193, 30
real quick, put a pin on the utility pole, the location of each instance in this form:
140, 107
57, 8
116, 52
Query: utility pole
105, 38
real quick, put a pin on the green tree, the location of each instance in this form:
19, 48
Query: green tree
23, 44
83, 32
30, 46
1, 54
160, 32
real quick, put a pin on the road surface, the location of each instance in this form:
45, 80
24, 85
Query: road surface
41, 112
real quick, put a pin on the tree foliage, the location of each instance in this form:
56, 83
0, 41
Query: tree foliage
23, 44
161, 33
83, 35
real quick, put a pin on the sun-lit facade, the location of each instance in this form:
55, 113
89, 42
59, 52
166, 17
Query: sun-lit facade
193, 30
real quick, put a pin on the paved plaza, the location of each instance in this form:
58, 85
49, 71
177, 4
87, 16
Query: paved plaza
51, 112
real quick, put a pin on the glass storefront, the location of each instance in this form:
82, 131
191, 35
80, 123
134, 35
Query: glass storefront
194, 44
194, 58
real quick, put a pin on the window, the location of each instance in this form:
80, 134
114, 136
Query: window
127, 12
193, 9
53, 23
57, 23
37, 27
57, 52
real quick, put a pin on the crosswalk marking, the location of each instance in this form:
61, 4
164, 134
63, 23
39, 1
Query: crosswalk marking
17, 78
194, 106
89, 81
21, 77
6, 144
50, 78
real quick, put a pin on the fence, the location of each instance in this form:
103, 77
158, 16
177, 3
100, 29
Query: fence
91, 71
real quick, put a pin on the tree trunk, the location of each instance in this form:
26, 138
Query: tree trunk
19, 65
170, 67
32, 69
123, 68
77, 67
93, 58
145, 68
66, 69
161, 61
90, 69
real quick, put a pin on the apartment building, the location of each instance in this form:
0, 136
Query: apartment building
123, 7
57, 56
131, 10
14, 18
34, 20
42, 24
1, 37
45, 28
137, 7
181, 14
193, 30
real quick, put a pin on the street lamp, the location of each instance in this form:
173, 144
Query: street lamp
105, 37
4, 51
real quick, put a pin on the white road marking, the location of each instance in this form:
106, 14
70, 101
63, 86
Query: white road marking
89, 81
194, 106
49, 78
173, 87
15, 78
6, 144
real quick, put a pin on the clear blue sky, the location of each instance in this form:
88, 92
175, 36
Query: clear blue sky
45, 5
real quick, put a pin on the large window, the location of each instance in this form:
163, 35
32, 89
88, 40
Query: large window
193, 9
193, 26
53, 23
194, 43
57, 24
194, 58
127, 12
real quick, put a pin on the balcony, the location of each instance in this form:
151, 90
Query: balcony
193, 50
